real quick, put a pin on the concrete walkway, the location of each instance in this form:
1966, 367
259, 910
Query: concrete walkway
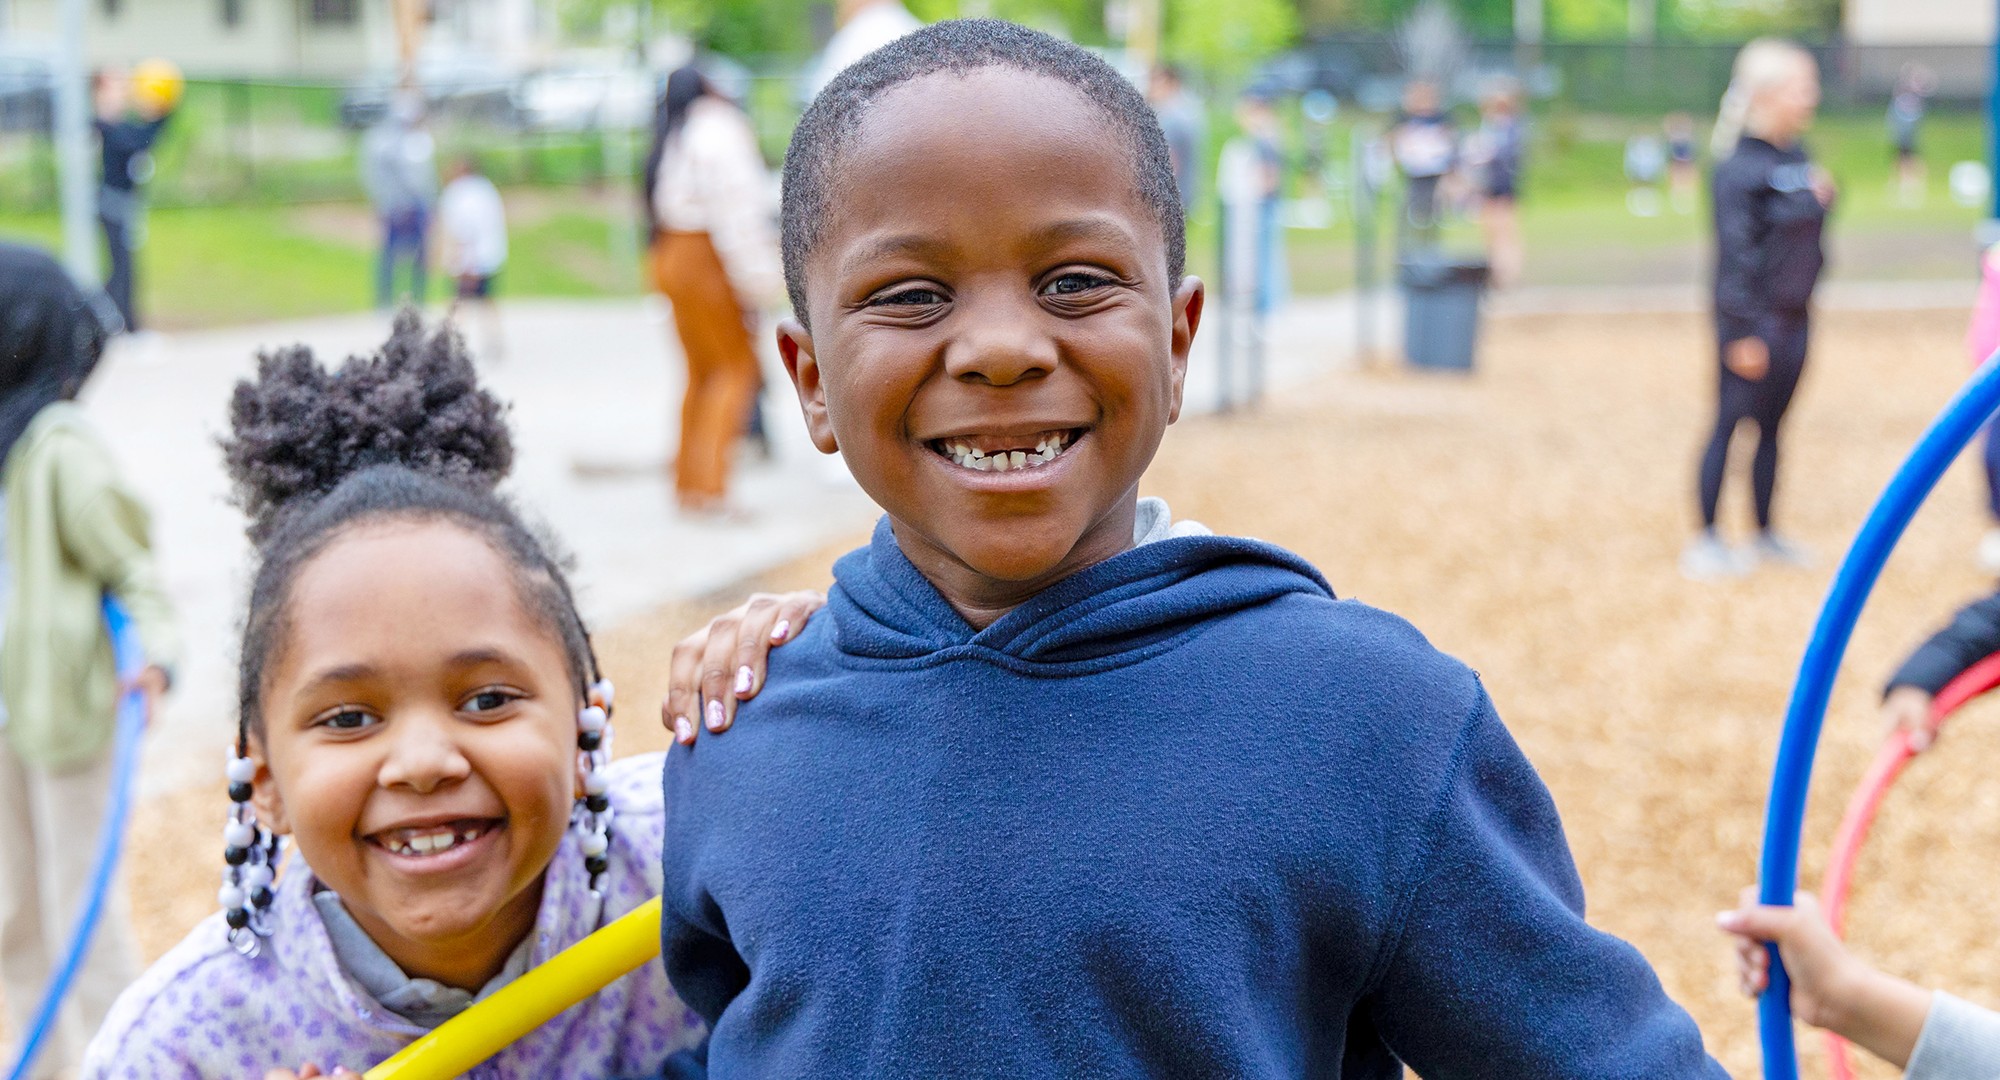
597, 385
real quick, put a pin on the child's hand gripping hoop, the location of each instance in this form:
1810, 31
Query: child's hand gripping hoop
1778, 871
1896, 752
530, 1001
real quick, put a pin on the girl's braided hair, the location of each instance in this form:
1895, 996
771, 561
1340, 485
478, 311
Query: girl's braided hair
406, 434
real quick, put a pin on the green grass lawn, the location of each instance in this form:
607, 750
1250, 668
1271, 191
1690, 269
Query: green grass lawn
206, 266
210, 265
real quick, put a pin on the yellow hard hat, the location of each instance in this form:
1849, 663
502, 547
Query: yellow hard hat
157, 86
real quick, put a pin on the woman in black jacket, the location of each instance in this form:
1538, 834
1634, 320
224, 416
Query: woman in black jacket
1770, 208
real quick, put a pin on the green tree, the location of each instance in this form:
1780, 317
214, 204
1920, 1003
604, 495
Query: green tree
1226, 39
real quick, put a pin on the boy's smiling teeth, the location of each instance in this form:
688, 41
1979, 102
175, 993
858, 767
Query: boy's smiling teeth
432, 839
1001, 454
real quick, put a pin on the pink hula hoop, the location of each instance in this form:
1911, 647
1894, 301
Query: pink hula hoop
1896, 752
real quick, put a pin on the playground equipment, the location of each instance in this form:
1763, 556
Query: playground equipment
1778, 869
1896, 752
530, 1001
124, 756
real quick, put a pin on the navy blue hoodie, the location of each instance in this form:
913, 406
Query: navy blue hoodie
1182, 814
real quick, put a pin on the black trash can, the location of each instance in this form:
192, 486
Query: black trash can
1441, 310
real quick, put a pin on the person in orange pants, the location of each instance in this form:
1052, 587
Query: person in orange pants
715, 256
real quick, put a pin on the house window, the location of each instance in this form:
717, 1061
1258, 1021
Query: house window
232, 13
335, 12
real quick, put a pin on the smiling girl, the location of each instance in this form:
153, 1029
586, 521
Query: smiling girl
421, 714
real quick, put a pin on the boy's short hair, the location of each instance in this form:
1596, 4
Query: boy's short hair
963, 46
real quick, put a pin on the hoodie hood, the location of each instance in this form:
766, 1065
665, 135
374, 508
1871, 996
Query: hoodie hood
1118, 610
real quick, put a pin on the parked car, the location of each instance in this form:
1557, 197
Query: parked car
462, 85
27, 93
1313, 67
581, 99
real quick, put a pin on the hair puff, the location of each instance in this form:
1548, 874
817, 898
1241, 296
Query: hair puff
299, 429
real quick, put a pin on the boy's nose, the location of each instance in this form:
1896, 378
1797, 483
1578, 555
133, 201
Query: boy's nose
422, 756
1000, 347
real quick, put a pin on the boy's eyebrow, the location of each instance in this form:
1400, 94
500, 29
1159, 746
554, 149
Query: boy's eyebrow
1105, 228
889, 247
1102, 227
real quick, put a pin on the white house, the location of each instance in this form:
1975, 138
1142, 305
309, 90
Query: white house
284, 38
1920, 22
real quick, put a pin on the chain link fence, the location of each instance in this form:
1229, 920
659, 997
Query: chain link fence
243, 141
1621, 77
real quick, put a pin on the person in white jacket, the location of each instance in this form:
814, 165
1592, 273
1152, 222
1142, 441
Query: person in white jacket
715, 256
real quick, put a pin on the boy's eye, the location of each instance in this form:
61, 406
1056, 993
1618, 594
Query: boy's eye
912, 297
1074, 282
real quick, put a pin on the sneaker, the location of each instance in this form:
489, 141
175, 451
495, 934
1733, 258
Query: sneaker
1989, 551
1708, 558
1772, 548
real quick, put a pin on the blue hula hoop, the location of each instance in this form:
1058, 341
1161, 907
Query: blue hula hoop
1778, 872
110, 839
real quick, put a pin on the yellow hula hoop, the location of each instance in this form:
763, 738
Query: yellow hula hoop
530, 1001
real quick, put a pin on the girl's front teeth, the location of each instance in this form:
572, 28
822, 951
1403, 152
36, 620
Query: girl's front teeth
419, 842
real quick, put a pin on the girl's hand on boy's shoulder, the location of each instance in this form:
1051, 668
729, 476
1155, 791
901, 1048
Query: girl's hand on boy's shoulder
724, 662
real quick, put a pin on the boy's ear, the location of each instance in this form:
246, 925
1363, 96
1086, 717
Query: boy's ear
264, 797
1187, 304
795, 346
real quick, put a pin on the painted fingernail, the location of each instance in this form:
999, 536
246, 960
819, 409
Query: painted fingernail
683, 730
744, 679
781, 631
715, 716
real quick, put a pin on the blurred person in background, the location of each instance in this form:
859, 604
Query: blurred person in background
864, 26
1683, 172
74, 532
399, 172
474, 225
710, 202
1181, 121
1906, 116
1982, 338
1250, 173
1496, 152
127, 128
1645, 166
1424, 144
1771, 203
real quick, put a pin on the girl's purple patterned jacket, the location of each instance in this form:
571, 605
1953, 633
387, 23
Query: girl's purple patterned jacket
203, 1012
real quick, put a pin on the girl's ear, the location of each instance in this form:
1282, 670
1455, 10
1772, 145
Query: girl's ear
270, 805
795, 346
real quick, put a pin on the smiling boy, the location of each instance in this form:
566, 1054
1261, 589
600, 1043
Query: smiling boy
1060, 788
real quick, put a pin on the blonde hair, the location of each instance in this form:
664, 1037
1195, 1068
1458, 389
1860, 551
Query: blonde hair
1760, 65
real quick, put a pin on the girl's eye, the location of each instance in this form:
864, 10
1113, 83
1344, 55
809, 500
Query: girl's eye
347, 720
489, 700
1074, 282
915, 297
